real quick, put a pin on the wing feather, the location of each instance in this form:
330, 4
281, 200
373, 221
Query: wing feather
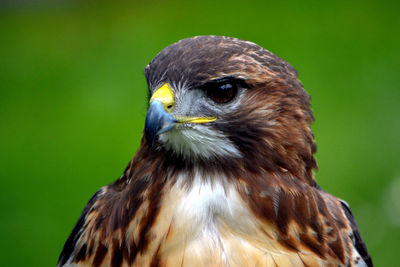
358, 243
71, 243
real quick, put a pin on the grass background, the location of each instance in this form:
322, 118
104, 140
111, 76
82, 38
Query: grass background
73, 101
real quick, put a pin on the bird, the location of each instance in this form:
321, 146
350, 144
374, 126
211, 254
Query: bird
224, 174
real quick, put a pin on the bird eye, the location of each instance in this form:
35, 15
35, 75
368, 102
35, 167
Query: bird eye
222, 93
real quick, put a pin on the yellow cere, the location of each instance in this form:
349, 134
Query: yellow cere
165, 95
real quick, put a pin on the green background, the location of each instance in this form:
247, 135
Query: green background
73, 101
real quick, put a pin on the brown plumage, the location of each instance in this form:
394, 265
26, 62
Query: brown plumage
224, 172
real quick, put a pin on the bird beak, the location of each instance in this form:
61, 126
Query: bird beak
159, 118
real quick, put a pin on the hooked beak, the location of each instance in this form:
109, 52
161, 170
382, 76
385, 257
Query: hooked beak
159, 118
157, 121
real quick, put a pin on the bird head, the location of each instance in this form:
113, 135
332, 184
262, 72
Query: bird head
215, 98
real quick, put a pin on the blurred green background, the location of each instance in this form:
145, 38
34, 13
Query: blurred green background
73, 101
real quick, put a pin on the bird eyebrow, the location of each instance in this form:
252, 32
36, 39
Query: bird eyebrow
220, 80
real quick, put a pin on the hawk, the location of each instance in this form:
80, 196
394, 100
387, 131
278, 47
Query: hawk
224, 172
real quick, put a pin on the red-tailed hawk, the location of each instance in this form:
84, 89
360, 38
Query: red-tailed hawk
224, 172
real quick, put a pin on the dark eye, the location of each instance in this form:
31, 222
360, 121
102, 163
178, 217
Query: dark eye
222, 92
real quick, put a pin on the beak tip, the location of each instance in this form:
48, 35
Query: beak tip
150, 133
